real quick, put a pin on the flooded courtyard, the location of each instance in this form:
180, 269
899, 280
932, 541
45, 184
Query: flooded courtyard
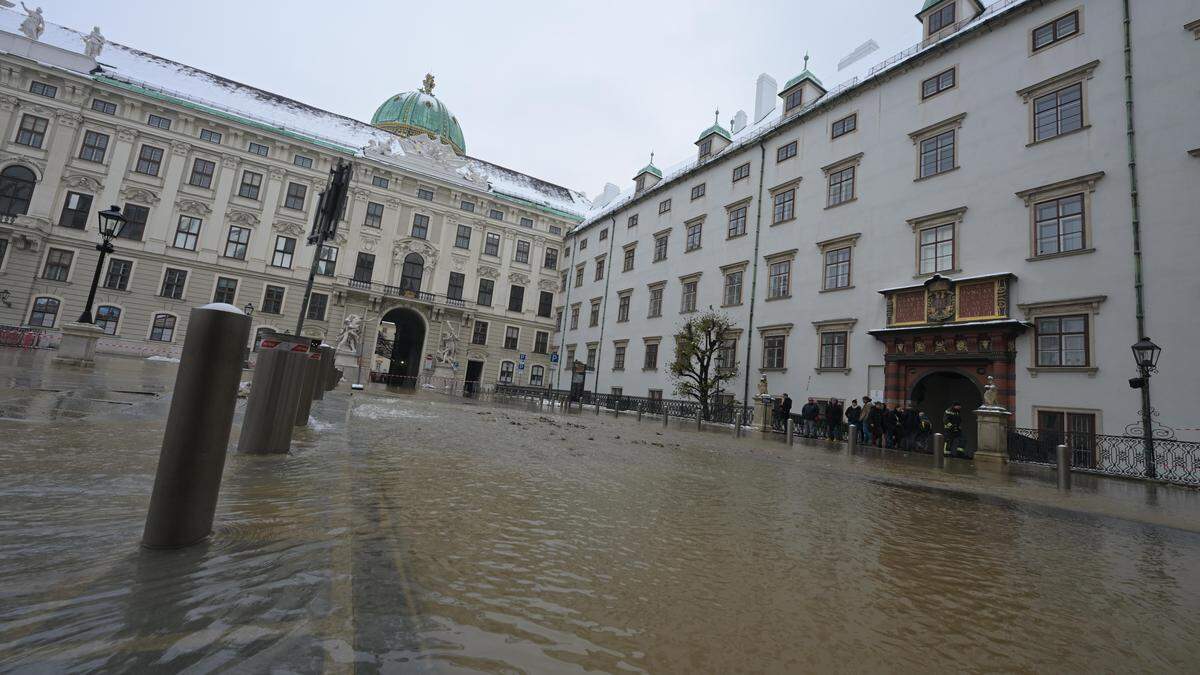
432, 534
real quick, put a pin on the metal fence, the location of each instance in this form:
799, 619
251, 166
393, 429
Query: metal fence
1174, 461
719, 412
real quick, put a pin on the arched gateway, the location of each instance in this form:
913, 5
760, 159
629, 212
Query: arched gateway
934, 393
408, 344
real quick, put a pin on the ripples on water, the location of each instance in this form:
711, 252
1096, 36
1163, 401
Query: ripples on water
414, 533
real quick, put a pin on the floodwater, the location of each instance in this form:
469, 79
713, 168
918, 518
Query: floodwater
423, 534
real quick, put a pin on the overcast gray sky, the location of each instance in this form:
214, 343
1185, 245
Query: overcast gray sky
577, 93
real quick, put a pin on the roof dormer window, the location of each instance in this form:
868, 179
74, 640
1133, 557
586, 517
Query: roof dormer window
705, 148
794, 100
941, 18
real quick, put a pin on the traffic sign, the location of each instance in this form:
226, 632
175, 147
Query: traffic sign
520, 366
554, 357
522, 357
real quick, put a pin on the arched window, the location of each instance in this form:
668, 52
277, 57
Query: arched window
506, 372
163, 328
536, 375
410, 276
16, 189
107, 318
45, 311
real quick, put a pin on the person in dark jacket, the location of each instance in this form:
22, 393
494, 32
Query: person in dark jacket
888, 421
875, 424
924, 433
809, 414
910, 424
777, 413
953, 430
787, 410
834, 417
854, 416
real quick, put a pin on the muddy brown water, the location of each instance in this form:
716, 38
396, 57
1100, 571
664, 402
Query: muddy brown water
417, 533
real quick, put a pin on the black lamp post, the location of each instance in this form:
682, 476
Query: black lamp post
1145, 355
111, 224
249, 312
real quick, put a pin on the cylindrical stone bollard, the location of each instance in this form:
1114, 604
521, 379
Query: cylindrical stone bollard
939, 451
791, 431
1064, 467
852, 439
274, 397
188, 480
308, 388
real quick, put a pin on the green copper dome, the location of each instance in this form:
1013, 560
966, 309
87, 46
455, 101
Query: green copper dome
420, 112
715, 129
806, 75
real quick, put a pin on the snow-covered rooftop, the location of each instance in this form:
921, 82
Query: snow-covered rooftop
141, 70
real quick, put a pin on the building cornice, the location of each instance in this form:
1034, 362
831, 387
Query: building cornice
1082, 72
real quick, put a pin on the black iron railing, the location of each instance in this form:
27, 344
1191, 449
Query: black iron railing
1175, 461
719, 412
405, 292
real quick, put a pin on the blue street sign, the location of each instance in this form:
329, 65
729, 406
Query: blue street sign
520, 366
554, 357
522, 357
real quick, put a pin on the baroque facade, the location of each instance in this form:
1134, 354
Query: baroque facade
220, 182
961, 211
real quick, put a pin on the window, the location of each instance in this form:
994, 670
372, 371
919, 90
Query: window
1055, 31
574, 317
1077, 430
640, 183
211, 136
173, 283
619, 356
117, 278
16, 189
837, 268
495, 214
579, 274
75, 211
163, 328
516, 298
479, 333
664, 206
656, 298
741, 171
632, 221
698, 191
149, 160
726, 357
420, 226
521, 254
327, 260
537, 376
937, 154
187, 233
95, 145
550, 261
604, 234
599, 268
541, 342
364, 267
454, 289
785, 152
845, 125
555, 229
694, 232
941, 18
833, 350
317, 303
774, 351
654, 394
251, 184
1057, 113
45, 311
660, 247
1059, 225
202, 173
506, 372
135, 222
779, 279
258, 149
380, 182
545, 304
462, 239
591, 357
937, 249
511, 336
705, 149
58, 264
594, 314
582, 244
623, 301
491, 244
285, 248
159, 122
937, 84
484, 297
733, 288
1062, 341
105, 107
527, 222
737, 222
32, 131
627, 263
374, 217
793, 100
651, 360
688, 297
226, 290
785, 206
412, 273
295, 196
107, 318
467, 206
841, 186
425, 193
236, 242
558, 317
273, 299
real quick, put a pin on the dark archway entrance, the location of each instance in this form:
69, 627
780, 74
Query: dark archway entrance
407, 345
935, 392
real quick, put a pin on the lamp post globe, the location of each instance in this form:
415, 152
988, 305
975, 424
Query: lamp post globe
1146, 353
111, 222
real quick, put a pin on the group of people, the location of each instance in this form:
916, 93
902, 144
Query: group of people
884, 426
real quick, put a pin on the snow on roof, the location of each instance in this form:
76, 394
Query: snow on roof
140, 70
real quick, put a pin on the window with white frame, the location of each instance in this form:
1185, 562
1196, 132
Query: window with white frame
833, 350
173, 283
162, 329
938, 83
187, 233
660, 246
374, 217
784, 206
521, 253
58, 264
619, 348
837, 268
650, 362
656, 301
779, 278
44, 312
1055, 31
694, 231
285, 250
841, 186
507, 368
737, 222
420, 226
733, 287
225, 290
600, 268
689, 290
237, 241
936, 249
537, 376
774, 351
624, 298
107, 319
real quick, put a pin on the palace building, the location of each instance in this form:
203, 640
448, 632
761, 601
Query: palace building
966, 209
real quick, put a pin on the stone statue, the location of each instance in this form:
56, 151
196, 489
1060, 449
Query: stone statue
762, 386
93, 43
989, 395
351, 334
449, 344
33, 26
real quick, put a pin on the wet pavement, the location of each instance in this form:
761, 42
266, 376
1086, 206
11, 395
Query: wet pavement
419, 533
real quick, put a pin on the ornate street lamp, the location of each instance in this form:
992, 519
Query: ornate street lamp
111, 224
1145, 355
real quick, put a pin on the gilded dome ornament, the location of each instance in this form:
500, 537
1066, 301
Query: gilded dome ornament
416, 113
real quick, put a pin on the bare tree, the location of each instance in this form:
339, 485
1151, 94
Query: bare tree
695, 369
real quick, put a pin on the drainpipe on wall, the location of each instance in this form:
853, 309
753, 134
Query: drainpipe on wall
1133, 179
612, 236
762, 165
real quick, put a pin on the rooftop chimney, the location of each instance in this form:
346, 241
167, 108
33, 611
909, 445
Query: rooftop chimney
610, 193
765, 93
738, 122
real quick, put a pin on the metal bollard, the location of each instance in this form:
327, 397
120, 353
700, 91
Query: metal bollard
737, 426
939, 451
666, 418
308, 388
188, 480
791, 432
639, 412
274, 397
616, 410
852, 439
1064, 467
597, 408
